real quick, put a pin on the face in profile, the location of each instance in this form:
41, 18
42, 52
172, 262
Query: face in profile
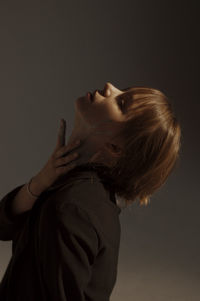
106, 111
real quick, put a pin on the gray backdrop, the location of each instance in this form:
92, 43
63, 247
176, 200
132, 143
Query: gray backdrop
53, 52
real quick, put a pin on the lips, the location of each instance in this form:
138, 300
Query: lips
91, 96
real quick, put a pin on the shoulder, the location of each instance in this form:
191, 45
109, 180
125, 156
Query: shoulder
87, 193
85, 190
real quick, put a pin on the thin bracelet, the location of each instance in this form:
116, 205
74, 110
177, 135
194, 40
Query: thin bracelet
28, 189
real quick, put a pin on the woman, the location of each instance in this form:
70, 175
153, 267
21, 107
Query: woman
65, 227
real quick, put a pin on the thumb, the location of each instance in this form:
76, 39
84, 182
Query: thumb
61, 134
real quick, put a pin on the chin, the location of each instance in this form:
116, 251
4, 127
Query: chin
80, 101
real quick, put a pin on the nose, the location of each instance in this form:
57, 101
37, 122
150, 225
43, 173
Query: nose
107, 86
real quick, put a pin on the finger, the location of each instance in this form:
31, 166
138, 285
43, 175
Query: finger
61, 134
64, 150
65, 160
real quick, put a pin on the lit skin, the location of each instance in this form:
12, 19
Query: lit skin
97, 123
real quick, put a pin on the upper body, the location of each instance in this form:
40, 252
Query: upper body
66, 247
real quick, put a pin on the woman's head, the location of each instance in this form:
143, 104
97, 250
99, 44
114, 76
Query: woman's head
101, 118
98, 124
139, 135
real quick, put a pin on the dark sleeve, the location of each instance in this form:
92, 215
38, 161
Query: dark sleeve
78, 248
10, 224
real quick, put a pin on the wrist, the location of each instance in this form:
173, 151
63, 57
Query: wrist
36, 186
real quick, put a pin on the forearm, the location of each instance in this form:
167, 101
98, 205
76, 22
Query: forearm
22, 200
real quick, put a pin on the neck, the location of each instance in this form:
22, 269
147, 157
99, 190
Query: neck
90, 143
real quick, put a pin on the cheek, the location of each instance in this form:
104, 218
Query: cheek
103, 110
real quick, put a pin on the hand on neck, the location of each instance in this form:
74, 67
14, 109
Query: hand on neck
93, 140
89, 149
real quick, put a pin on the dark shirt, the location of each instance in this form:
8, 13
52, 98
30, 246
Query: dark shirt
66, 247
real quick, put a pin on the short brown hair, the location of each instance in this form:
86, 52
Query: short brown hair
152, 142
